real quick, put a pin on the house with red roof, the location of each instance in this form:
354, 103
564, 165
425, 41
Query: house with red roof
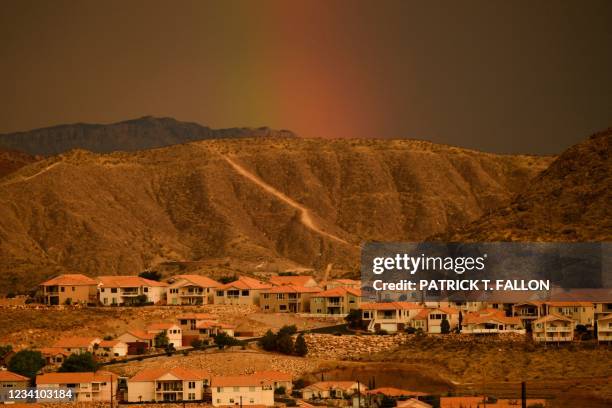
338, 301
172, 330
138, 341
77, 344
553, 328
54, 356
389, 316
87, 387
9, 379
343, 283
604, 328
130, 290
243, 291
191, 290
333, 390
112, 348
490, 321
168, 385
73, 288
287, 298
244, 390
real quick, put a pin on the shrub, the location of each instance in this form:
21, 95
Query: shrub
410, 330
280, 391
26, 363
197, 343
161, 339
444, 326
151, 275
83, 362
382, 332
301, 348
284, 343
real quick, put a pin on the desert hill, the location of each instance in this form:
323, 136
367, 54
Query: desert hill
569, 201
242, 204
11, 160
131, 135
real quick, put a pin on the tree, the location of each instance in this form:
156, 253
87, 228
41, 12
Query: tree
354, 318
161, 339
268, 341
460, 320
151, 275
444, 326
301, 348
227, 279
223, 340
290, 330
284, 343
170, 349
75, 363
27, 363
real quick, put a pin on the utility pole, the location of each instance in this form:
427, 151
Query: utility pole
358, 394
111, 390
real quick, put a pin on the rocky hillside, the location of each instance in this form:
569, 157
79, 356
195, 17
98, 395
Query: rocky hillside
242, 204
11, 160
569, 201
132, 135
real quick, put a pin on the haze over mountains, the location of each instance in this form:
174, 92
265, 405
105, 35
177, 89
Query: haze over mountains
131, 135
288, 202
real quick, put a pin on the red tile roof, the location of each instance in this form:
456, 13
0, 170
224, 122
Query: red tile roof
487, 315
244, 282
53, 351
292, 289
326, 385
110, 343
127, 282
161, 326
68, 378
552, 317
339, 292
207, 324
196, 316
300, 280
10, 376
75, 342
141, 334
185, 374
395, 392
390, 306
72, 279
198, 280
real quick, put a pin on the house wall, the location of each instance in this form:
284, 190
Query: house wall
252, 298
250, 396
141, 391
77, 294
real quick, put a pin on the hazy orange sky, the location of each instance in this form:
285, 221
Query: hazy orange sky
500, 76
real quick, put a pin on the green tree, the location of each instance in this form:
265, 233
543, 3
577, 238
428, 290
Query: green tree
223, 340
27, 363
196, 343
161, 339
301, 348
82, 362
284, 343
444, 326
268, 341
290, 330
354, 318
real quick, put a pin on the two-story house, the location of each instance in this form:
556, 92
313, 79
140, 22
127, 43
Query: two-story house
553, 328
338, 301
604, 328
138, 341
11, 380
87, 387
343, 283
389, 316
191, 290
296, 280
242, 390
69, 289
167, 385
77, 345
287, 298
332, 390
243, 291
130, 290
582, 313
430, 319
528, 312
172, 330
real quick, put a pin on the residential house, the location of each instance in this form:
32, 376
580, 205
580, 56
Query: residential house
242, 390
168, 384
244, 291
130, 290
601, 309
191, 290
287, 298
338, 301
278, 379
582, 313
435, 316
210, 328
378, 397
491, 321
412, 403
69, 289
333, 390
11, 380
188, 322
112, 348
98, 386
389, 316
138, 341
343, 283
77, 345
295, 280
172, 330
54, 356
528, 312
604, 328
553, 328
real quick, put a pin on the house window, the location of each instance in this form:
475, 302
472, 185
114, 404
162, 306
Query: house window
280, 296
73, 289
113, 290
219, 293
105, 301
245, 293
251, 400
231, 400
62, 289
191, 396
252, 389
102, 290
366, 315
236, 389
266, 307
282, 307
145, 290
218, 400
266, 296
219, 389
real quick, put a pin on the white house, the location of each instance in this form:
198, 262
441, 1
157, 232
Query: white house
389, 316
604, 328
173, 331
98, 386
244, 291
242, 390
191, 290
168, 384
129, 290
112, 348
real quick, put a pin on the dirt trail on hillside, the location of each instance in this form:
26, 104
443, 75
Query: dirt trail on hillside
26, 178
305, 216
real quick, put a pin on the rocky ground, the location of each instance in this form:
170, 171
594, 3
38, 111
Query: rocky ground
332, 347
